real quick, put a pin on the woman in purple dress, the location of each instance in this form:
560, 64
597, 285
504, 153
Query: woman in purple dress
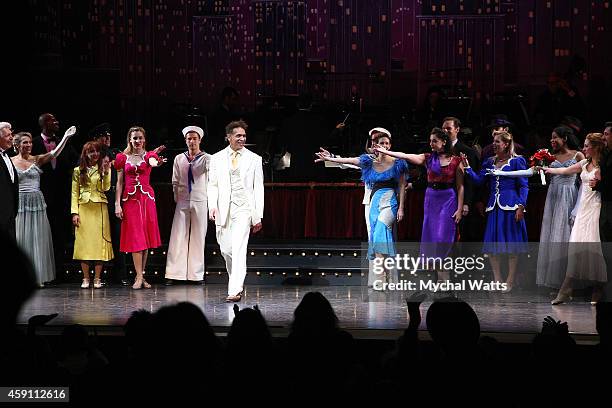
443, 197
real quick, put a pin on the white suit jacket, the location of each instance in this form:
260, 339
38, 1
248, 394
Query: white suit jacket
219, 185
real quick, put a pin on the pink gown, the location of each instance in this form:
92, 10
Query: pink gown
139, 230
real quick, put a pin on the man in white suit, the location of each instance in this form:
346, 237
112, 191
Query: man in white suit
185, 261
235, 203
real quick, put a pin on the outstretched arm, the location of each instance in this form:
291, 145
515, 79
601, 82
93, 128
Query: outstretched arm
324, 155
573, 169
418, 159
47, 157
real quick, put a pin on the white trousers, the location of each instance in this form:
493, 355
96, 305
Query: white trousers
185, 260
233, 239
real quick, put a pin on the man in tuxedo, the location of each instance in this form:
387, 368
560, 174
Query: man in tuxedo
55, 184
102, 135
235, 203
603, 184
9, 182
471, 227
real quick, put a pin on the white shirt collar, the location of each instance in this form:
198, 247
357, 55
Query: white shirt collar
454, 142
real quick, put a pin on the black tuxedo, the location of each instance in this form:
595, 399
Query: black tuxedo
55, 185
10, 200
471, 227
604, 186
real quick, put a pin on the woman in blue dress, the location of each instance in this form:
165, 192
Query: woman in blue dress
385, 176
561, 200
506, 232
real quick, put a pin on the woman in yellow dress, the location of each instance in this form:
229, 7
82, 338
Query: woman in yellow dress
89, 212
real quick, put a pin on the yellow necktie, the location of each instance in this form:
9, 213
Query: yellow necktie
235, 160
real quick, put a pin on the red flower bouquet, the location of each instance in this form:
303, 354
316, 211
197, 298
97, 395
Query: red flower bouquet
542, 158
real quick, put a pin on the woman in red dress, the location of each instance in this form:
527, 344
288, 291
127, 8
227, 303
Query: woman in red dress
135, 201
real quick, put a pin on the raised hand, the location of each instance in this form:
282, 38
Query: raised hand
554, 327
70, 131
322, 155
159, 149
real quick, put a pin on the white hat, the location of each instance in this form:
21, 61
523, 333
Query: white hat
380, 130
196, 129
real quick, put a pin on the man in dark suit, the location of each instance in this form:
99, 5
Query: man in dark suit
55, 184
603, 184
9, 182
471, 227
102, 135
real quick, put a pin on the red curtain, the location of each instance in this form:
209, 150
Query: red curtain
332, 211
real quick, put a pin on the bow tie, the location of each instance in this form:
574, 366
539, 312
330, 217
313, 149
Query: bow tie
51, 139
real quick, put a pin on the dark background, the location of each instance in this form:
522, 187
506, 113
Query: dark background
162, 64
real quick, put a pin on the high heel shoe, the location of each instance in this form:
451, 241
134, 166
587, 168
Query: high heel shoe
235, 298
97, 283
137, 283
85, 284
561, 298
596, 295
146, 284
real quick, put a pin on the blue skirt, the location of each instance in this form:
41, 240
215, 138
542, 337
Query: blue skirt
383, 215
503, 234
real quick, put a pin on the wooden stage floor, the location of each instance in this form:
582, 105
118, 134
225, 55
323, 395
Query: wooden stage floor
360, 310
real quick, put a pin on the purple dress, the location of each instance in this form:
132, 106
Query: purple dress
439, 228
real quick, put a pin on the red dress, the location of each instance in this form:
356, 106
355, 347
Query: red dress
139, 230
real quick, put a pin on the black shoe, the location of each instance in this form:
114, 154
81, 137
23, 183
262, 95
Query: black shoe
197, 283
169, 282
125, 282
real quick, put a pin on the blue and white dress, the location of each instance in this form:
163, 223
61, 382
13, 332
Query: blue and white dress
503, 234
383, 203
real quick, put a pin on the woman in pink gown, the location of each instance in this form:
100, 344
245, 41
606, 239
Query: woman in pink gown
135, 201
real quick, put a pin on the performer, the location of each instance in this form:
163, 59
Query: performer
102, 135
33, 229
372, 134
55, 184
561, 200
585, 257
471, 225
506, 232
185, 259
89, 209
385, 177
443, 197
235, 203
603, 184
9, 182
138, 214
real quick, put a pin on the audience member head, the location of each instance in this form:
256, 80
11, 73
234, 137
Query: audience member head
453, 324
314, 316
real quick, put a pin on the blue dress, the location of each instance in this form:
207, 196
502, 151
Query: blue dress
383, 204
503, 234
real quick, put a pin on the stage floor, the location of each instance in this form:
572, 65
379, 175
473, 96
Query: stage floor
359, 309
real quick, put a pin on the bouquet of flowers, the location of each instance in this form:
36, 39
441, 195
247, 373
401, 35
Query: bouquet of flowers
542, 158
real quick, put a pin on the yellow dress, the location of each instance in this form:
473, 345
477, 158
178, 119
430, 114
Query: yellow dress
92, 238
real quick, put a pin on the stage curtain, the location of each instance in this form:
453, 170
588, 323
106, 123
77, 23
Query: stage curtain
331, 211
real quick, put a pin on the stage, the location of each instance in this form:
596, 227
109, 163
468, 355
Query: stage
365, 313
